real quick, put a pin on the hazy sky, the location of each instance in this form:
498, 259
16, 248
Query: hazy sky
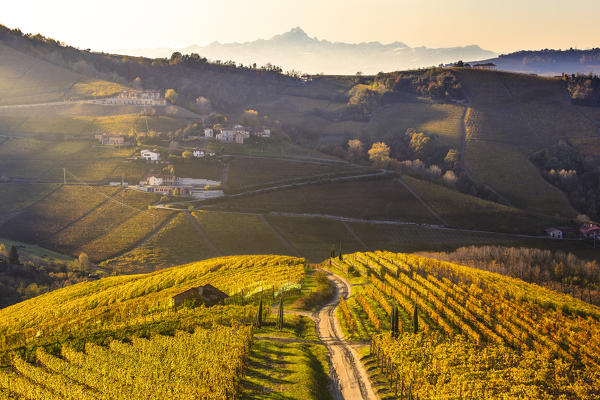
498, 25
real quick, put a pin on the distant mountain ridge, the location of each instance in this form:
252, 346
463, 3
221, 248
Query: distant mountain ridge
295, 50
549, 62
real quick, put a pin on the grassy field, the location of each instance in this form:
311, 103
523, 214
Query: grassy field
101, 220
124, 236
177, 243
55, 212
471, 212
240, 234
206, 169
378, 199
25, 79
513, 115
41, 158
529, 191
17, 196
31, 252
314, 237
414, 238
256, 171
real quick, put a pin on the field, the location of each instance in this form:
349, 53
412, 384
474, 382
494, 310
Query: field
26, 79
177, 243
55, 212
247, 172
472, 212
240, 234
125, 236
123, 325
101, 220
34, 158
314, 237
529, 192
16, 196
514, 115
480, 330
377, 199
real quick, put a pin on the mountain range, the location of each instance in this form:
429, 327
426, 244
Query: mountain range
296, 50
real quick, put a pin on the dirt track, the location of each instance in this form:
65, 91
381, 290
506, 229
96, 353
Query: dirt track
350, 380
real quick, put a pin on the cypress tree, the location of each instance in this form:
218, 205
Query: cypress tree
415, 320
13, 256
260, 311
340, 255
280, 316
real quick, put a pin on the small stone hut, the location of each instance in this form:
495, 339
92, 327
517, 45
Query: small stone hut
208, 294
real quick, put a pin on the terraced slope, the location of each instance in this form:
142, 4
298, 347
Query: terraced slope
509, 116
480, 330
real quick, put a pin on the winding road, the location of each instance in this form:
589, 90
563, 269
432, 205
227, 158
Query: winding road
349, 377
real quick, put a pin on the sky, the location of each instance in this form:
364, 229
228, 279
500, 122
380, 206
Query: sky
498, 25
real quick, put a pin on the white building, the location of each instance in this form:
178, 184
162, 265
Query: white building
237, 134
137, 97
265, 133
554, 233
149, 155
208, 132
198, 153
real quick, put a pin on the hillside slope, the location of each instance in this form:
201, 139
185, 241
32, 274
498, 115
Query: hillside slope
27, 79
509, 117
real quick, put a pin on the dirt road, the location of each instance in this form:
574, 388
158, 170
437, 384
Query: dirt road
349, 377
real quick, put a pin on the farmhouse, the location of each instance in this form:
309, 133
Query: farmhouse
265, 133
554, 233
160, 180
137, 97
207, 294
208, 132
198, 153
110, 139
590, 231
487, 66
149, 155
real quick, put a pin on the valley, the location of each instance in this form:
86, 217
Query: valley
179, 228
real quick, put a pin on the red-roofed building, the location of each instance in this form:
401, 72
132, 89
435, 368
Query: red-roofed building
590, 230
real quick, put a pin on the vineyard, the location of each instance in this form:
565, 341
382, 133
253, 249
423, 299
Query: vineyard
114, 337
207, 363
470, 334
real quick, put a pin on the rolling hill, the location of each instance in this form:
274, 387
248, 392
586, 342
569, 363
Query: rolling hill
481, 330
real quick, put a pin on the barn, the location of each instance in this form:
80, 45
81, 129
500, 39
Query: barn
207, 294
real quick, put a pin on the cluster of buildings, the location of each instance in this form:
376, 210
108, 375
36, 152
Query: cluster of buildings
110, 139
236, 134
587, 230
149, 155
173, 186
137, 97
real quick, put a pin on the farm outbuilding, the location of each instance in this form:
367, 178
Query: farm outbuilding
208, 294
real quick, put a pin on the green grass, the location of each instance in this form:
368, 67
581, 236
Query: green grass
414, 238
177, 243
256, 171
55, 212
466, 211
26, 79
314, 237
519, 180
17, 196
31, 252
240, 234
43, 158
377, 199
510, 116
124, 236
286, 371
101, 220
